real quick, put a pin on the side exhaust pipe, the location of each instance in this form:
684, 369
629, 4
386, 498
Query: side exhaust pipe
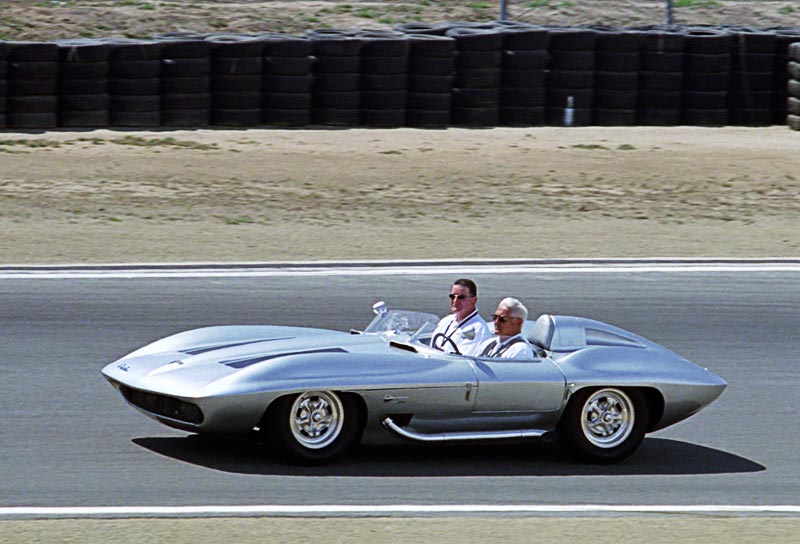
445, 437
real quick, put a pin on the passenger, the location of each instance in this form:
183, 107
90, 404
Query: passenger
464, 330
509, 343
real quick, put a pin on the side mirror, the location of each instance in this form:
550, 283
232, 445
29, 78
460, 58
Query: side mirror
380, 308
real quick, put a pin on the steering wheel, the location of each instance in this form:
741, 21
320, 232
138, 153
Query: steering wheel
447, 340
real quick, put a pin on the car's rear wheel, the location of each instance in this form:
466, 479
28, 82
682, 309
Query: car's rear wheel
314, 426
605, 425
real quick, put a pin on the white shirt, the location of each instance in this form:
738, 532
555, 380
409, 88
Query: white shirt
468, 335
513, 347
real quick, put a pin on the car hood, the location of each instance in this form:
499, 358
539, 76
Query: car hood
189, 363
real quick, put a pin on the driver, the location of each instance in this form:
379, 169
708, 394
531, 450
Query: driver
464, 330
509, 342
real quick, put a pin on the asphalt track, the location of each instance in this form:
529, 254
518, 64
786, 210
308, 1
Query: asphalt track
68, 440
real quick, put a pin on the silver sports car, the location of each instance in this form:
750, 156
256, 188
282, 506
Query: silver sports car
311, 393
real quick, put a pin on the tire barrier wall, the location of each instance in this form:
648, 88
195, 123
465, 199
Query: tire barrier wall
423, 75
793, 88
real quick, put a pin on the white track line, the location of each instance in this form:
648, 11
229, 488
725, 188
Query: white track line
384, 510
392, 269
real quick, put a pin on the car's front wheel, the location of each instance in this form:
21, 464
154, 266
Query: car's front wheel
314, 426
605, 425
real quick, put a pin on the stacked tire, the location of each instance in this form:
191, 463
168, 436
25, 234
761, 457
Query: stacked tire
236, 65
3, 83
661, 77
287, 80
84, 100
185, 82
751, 78
384, 78
523, 95
793, 87
478, 76
570, 80
134, 83
336, 96
32, 100
784, 38
616, 95
431, 69
707, 67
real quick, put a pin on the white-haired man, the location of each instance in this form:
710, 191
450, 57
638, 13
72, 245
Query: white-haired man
509, 342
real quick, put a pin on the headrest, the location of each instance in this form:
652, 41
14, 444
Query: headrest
540, 332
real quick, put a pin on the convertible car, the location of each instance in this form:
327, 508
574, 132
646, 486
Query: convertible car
311, 393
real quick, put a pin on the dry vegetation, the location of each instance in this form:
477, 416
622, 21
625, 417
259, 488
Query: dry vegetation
57, 19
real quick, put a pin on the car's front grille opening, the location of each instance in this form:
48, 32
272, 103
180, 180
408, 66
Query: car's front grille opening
163, 405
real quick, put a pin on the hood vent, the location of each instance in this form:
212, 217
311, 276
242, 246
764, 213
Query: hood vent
198, 351
242, 363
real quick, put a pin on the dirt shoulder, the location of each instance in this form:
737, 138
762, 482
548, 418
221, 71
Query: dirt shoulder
264, 195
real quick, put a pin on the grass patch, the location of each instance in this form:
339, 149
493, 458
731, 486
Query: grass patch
626, 147
589, 146
697, 4
165, 142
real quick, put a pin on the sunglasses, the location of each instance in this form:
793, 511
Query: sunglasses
458, 297
502, 318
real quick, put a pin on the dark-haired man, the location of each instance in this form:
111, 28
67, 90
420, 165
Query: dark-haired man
464, 330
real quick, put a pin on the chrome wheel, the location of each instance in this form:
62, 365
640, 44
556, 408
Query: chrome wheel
607, 418
316, 419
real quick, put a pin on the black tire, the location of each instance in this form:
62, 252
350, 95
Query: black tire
705, 117
434, 66
242, 100
84, 70
793, 122
430, 84
383, 100
135, 118
429, 101
384, 65
614, 117
537, 59
479, 79
479, 59
708, 40
523, 97
476, 98
522, 116
236, 83
620, 41
696, 62
286, 45
188, 101
572, 60
313, 427
614, 61
707, 82
33, 70
346, 117
90, 118
287, 101
572, 79
337, 99
135, 103
431, 46
389, 82
661, 81
661, 61
793, 88
195, 67
604, 425
526, 38
572, 39
130, 69
428, 118
659, 117
384, 118
524, 78
476, 117
287, 117
185, 117
241, 66
613, 99
134, 87
32, 120
83, 102
183, 85
301, 84
238, 117
476, 39
83, 86
339, 64
620, 81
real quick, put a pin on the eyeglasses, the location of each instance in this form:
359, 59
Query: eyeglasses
453, 296
503, 318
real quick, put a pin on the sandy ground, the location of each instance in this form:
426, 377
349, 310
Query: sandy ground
650, 529
275, 195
